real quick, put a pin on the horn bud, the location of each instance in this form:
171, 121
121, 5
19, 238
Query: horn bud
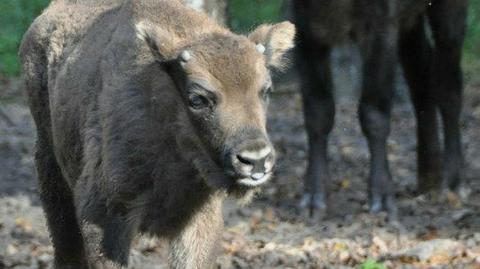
260, 48
185, 56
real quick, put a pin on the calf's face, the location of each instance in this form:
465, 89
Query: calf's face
225, 82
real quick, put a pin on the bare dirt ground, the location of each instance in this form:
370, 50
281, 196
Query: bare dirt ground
434, 232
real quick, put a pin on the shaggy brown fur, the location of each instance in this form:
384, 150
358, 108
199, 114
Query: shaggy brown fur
148, 114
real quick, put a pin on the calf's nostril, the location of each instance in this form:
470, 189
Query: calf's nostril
254, 163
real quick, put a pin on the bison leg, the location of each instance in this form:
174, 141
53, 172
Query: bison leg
378, 46
416, 56
196, 246
55, 193
319, 111
313, 65
447, 19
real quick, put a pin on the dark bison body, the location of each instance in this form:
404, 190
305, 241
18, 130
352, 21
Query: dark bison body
148, 114
426, 37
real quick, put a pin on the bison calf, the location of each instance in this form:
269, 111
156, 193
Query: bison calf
148, 114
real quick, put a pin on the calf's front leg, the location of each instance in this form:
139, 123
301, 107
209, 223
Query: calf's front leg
109, 243
196, 245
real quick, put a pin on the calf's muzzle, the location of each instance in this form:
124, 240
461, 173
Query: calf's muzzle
251, 162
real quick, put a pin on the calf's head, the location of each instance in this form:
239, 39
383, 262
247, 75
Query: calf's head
224, 80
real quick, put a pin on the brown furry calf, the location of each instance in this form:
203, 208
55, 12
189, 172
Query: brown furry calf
148, 114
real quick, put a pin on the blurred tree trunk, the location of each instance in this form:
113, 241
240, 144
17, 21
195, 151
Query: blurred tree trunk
216, 9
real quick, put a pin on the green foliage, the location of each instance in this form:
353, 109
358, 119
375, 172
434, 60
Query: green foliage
372, 264
472, 41
471, 56
245, 15
15, 17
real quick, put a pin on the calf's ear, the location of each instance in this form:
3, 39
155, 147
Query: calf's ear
277, 39
161, 43
165, 48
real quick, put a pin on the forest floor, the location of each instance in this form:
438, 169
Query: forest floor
433, 232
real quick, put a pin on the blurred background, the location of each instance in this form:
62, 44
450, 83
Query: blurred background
271, 233
240, 15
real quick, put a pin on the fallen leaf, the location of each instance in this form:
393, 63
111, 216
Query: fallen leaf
382, 246
23, 224
339, 246
345, 184
454, 200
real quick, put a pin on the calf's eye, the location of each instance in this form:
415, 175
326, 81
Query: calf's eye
198, 101
266, 92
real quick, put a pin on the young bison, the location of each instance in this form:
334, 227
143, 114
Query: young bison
427, 36
148, 114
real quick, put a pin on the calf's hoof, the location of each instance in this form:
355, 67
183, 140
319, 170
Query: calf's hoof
313, 207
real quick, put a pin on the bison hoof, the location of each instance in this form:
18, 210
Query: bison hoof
313, 207
386, 203
455, 198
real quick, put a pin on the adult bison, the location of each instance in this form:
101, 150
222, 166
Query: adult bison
148, 114
426, 37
